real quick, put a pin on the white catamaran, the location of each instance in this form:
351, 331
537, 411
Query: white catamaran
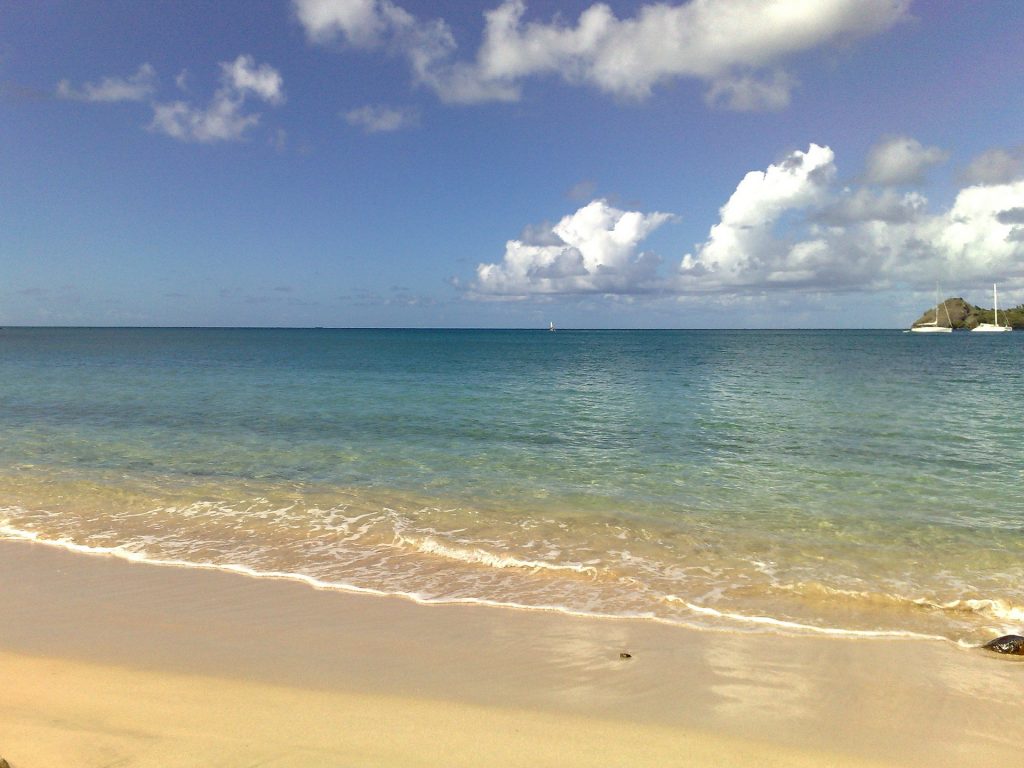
933, 326
994, 326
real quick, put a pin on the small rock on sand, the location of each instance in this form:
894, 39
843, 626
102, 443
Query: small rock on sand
1006, 644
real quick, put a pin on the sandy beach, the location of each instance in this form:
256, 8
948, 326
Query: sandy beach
107, 662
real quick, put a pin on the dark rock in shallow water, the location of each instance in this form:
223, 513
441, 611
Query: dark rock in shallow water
1007, 644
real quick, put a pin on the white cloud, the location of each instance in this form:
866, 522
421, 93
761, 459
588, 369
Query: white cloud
243, 76
376, 118
860, 205
137, 87
594, 250
787, 228
976, 237
222, 120
225, 118
901, 160
735, 46
719, 41
794, 228
996, 166
428, 46
360, 22
742, 247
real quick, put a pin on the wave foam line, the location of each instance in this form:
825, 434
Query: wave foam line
798, 626
996, 608
999, 609
429, 546
140, 556
11, 533
16, 534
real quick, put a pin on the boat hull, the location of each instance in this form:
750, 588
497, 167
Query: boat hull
994, 327
990, 328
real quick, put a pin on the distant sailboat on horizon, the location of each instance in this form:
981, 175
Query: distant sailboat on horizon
933, 326
551, 327
994, 326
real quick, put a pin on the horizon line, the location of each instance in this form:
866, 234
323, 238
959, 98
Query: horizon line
426, 328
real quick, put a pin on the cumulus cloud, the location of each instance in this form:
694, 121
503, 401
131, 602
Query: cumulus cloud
243, 76
976, 236
996, 166
360, 22
381, 119
796, 229
137, 87
428, 46
742, 247
790, 227
860, 205
901, 160
718, 41
735, 46
225, 118
594, 250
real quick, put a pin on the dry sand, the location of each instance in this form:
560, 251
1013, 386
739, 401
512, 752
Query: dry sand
110, 663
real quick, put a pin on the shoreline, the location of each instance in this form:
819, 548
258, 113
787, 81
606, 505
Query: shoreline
518, 687
728, 621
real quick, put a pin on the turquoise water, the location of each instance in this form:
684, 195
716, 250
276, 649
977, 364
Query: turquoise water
816, 481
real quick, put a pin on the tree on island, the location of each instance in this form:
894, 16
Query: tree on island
964, 315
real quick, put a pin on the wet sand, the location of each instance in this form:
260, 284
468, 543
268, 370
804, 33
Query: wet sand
107, 662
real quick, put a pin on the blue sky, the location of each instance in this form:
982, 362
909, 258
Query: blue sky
725, 163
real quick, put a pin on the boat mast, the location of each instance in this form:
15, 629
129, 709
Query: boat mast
995, 304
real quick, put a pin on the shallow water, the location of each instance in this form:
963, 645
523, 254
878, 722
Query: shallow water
817, 481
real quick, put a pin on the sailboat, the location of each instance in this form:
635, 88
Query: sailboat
551, 327
933, 326
994, 326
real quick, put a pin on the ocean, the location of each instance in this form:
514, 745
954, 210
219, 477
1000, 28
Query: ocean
857, 483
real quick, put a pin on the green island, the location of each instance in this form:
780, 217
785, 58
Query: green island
964, 315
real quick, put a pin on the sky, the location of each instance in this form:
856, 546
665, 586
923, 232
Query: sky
404, 163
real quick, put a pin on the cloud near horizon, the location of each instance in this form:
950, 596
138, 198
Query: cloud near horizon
791, 228
594, 250
736, 47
